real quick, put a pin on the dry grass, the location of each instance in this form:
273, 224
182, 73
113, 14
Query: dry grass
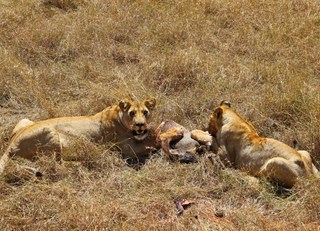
74, 57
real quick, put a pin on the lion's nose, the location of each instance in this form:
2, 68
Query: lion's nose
139, 124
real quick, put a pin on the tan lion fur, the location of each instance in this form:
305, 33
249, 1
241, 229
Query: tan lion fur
257, 155
125, 124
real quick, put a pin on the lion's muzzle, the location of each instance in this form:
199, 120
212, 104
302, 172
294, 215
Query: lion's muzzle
140, 134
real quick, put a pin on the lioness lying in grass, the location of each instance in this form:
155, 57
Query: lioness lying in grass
258, 155
125, 124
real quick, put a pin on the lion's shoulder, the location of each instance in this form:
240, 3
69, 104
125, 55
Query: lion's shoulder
109, 114
240, 122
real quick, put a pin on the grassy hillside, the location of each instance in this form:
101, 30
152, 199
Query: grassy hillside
75, 57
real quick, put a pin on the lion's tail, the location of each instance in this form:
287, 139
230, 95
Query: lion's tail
3, 161
315, 171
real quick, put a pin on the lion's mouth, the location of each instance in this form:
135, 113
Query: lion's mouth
140, 134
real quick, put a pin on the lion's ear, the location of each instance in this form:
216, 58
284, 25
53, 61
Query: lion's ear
225, 103
218, 113
150, 103
125, 104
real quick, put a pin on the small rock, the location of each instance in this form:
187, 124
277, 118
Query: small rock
219, 213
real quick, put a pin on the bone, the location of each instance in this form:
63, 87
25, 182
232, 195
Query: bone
177, 142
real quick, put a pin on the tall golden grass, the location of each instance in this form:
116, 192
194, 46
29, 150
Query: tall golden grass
75, 57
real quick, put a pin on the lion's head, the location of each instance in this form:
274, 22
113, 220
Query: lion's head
215, 121
136, 116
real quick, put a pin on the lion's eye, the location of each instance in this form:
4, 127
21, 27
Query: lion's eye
132, 113
145, 112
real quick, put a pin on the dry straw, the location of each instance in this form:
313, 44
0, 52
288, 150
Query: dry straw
74, 57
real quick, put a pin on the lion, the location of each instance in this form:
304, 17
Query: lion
257, 155
125, 124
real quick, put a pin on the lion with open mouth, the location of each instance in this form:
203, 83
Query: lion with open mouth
125, 124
